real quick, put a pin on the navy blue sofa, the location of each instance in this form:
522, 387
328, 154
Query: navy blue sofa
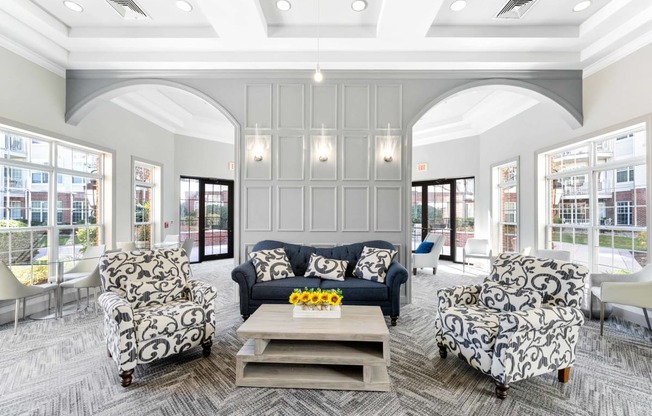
355, 291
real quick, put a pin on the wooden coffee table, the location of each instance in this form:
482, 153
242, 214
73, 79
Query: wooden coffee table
349, 353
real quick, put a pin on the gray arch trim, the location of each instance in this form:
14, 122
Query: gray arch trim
569, 113
82, 108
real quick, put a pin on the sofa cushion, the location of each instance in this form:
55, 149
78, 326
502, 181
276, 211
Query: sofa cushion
358, 289
281, 289
329, 269
507, 298
271, 265
424, 248
373, 264
474, 324
164, 320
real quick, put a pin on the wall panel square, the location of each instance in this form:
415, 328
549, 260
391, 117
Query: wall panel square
323, 208
258, 208
258, 106
355, 208
389, 106
355, 158
323, 106
291, 106
387, 208
387, 146
258, 169
323, 170
290, 208
355, 107
290, 160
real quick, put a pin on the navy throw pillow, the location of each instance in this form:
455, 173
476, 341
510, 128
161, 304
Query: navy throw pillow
424, 247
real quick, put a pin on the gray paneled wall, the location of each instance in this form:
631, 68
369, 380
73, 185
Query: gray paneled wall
331, 171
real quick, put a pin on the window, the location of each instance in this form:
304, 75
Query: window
31, 235
597, 205
146, 203
505, 206
624, 213
625, 175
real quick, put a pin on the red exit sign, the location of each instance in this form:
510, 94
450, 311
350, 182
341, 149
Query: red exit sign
422, 167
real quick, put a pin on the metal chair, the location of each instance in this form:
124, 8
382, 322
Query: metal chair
187, 246
475, 248
11, 288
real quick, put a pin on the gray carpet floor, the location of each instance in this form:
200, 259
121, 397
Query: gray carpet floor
60, 367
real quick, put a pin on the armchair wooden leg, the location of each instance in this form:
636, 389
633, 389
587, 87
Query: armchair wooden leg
126, 377
563, 374
501, 390
434, 270
414, 271
601, 318
245, 317
394, 319
443, 352
207, 347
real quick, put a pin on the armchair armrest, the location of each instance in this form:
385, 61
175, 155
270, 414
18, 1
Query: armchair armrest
204, 294
625, 293
458, 296
535, 341
597, 279
119, 330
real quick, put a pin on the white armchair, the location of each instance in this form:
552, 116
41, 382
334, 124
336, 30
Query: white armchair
430, 259
476, 248
624, 289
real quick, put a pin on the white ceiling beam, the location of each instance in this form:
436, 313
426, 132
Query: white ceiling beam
618, 33
406, 19
239, 19
503, 32
142, 32
36, 18
602, 16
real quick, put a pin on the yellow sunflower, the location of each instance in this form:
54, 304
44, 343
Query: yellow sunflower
334, 299
324, 297
314, 298
295, 297
305, 297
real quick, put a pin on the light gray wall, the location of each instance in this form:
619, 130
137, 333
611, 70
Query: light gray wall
450, 159
203, 158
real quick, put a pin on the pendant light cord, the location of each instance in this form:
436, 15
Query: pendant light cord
318, 30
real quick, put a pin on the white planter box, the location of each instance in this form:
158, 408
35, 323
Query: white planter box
334, 312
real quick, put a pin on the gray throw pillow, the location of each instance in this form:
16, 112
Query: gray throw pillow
329, 269
505, 298
373, 264
271, 265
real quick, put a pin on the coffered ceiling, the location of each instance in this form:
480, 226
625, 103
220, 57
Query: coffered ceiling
388, 34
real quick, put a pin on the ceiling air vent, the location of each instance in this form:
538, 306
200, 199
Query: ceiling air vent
515, 9
128, 9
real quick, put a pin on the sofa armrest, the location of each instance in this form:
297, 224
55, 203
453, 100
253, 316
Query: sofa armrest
245, 276
119, 330
457, 296
396, 276
204, 294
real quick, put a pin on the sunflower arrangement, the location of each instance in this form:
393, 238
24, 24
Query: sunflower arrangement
316, 298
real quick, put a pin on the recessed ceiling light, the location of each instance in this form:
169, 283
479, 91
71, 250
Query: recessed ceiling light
283, 5
583, 5
73, 6
184, 5
359, 5
458, 5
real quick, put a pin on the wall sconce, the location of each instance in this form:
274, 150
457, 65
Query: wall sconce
388, 146
323, 146
258, 145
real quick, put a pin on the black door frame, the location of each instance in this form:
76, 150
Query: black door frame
453, 210
202, 216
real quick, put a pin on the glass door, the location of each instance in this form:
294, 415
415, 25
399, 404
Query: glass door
444, 207
206, 216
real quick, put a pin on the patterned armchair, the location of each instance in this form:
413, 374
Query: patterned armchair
151, 309
523, 320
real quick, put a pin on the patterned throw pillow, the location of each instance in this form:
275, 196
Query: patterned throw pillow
329, 269
271, 265
373, 264
506, 298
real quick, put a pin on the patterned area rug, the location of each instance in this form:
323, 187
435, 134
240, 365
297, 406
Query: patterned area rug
61, 368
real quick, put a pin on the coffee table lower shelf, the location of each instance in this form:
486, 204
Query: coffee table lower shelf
313, 365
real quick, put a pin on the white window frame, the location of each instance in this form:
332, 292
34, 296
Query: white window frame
496, 203
156, 195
